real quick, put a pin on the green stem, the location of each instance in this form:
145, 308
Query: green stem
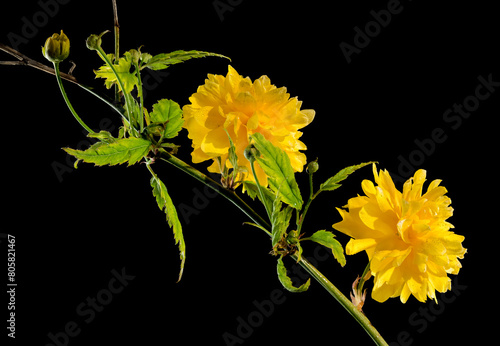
116, 109
313, 271
117, 44
343, 300
65, 96
363, 278
128, 106
259, 187
228, 194
141, 97
306, 208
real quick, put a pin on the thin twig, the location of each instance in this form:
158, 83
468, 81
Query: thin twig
117, 44
115, 14
27, 61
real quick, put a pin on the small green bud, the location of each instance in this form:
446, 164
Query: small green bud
313, 167
94, 41
56, 48
251, 153
133, 55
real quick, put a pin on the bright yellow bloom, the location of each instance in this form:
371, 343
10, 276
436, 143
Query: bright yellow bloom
241, 107
405, 235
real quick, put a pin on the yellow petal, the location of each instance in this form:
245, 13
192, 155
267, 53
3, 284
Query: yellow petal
352, 225
383, 292
215, 143
356, 245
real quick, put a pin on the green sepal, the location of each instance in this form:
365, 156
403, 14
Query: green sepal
164, 60
233, 158
276, 164
103, 136
165, 204
327, 239
234, 175
125, 150
287, 282
333, 182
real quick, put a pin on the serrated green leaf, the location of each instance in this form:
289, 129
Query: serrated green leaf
122, 69
165, 204
280, 220
327, 239
169, 114
287, 282
162, 61
276, 164
252, 190
125, 150
333, 182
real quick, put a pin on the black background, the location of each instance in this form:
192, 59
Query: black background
74, 228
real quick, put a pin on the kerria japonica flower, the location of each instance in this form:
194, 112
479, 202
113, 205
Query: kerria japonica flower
235, 107
406, 236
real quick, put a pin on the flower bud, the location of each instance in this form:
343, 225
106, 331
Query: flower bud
251, 153
94, 41
56, 48
313, 167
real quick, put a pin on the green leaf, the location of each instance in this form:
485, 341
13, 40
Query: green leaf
122, 69
162, 61
169, 114
327, 239
287, 282
333, 182
276, 164
280, 220
129, 150
257, 226
252, 190
165, 204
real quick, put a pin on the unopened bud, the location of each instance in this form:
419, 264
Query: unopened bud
56, 48
313, 167
94, 41
251, 153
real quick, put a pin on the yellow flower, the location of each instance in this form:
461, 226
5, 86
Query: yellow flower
241, 107
56, 48
405, 235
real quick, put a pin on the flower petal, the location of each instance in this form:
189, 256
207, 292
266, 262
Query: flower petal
356, 245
